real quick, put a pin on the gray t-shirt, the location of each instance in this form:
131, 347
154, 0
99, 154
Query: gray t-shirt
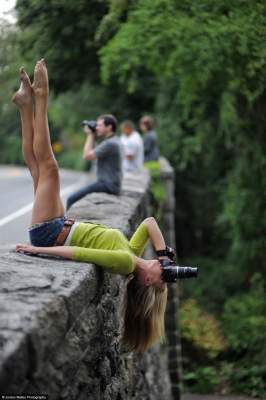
109, 163
151, 151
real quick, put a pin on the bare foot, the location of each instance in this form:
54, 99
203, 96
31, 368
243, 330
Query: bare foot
40, 84
23, 97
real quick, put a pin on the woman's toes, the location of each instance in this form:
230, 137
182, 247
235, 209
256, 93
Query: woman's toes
24, 76
22, 72
23, 96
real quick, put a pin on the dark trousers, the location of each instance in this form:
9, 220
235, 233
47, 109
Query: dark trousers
92, 188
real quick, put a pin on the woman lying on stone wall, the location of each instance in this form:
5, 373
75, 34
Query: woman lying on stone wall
53, 234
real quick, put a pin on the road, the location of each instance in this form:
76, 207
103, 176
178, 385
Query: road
16, 196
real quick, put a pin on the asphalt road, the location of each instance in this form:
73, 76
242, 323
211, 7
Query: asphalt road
16, 197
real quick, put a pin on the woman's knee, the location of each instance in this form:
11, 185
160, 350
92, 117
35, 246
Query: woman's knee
49, 167
34, 170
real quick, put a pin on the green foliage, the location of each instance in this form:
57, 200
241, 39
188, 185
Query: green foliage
244, 330
244, 215
69, 36
62, 32
157, 187
245, 321
201, 329
10, 147
209, 62
249, 379
10, 150
72, 159
202, 380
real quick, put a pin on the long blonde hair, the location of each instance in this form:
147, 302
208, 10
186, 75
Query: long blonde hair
144, 309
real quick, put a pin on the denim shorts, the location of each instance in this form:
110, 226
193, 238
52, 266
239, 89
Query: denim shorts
45, 233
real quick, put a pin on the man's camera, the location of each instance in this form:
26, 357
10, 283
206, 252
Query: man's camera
90, 124
171, 272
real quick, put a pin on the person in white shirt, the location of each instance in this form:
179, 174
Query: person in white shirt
133, 149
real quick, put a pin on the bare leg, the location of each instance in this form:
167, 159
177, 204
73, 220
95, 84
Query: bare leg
47, 203
23, 99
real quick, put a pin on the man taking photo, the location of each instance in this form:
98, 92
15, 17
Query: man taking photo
108, 155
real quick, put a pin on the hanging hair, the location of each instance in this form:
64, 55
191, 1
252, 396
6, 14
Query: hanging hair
144, 309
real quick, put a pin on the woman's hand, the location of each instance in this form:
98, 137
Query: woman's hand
27, 248
58, 251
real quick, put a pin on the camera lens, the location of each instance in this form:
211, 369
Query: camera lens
170, 273
187, 272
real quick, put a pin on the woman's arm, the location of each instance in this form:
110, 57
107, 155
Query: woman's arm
58, 251
148, 229
116, 261
155, 233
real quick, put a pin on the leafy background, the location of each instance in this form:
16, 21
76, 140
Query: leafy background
199, 69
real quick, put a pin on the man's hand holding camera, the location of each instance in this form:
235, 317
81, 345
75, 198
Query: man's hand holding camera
89, 128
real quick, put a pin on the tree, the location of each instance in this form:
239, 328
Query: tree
208, 59
9, 140
209, 62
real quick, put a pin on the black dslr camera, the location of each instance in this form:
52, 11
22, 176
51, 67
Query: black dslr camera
90, 124
171, 272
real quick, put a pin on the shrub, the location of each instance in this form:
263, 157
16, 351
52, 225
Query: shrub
10, 150
244, 321
201, 329
202, 380
158, 192
72, 159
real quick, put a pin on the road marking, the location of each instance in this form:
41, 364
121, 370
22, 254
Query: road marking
28, 207
11, 173
14, 172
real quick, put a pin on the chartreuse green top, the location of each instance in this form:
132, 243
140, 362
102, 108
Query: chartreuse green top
107, 247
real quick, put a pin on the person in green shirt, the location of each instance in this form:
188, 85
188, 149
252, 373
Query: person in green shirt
146, 294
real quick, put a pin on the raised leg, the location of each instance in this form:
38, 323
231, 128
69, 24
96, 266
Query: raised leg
23, 99
47, 202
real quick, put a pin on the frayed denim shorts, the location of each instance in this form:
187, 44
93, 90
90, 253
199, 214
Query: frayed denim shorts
45, 233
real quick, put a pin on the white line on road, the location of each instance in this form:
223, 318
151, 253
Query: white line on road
28, 207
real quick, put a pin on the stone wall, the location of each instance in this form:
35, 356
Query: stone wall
60, 320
